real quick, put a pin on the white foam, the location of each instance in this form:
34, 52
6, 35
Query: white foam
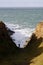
12, 26
21, 35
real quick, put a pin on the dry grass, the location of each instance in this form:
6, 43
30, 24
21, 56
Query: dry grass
39, 59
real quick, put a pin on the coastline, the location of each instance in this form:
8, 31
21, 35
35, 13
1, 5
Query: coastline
11, 54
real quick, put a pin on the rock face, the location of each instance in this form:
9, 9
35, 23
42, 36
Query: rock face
37, 36
6, 43
10, 32
39, 30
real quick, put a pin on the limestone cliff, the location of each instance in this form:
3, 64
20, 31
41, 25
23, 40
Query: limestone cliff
39, 30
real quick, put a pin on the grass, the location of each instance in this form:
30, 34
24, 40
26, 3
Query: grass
39, 59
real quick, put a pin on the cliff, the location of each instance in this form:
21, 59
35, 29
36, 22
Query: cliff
6, 43
23, 56
37, 36
39, 30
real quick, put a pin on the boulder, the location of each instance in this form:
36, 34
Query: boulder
10, 32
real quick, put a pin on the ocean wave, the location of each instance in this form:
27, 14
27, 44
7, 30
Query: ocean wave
21, 35
12, 26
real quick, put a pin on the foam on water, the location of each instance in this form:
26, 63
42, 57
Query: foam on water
21, 35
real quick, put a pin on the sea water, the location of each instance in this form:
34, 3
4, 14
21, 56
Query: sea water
22, 21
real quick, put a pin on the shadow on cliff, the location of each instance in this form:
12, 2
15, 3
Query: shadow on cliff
24, 56
18, 56
33, 50
6, 43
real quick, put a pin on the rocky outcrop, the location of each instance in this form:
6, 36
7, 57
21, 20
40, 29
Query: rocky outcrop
37, 36
39, 30
10, 32
6, 43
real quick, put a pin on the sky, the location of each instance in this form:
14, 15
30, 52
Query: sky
21, 3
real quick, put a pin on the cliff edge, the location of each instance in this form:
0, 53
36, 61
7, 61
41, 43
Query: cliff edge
6, 43
39, 30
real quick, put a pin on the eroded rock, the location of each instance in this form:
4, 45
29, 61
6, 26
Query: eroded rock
39, 30
6, 43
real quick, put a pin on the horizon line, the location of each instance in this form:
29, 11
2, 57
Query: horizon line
21, 7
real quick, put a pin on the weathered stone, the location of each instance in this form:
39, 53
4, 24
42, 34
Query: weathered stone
39, 30
6, 43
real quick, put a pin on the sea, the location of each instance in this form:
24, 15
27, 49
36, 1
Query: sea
22, 21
